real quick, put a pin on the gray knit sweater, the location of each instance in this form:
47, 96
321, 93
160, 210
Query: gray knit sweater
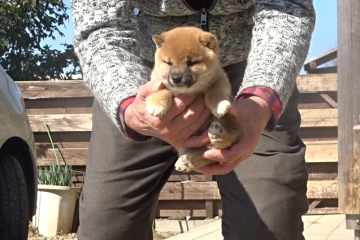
111, 41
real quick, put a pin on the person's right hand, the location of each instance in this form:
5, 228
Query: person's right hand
186, 115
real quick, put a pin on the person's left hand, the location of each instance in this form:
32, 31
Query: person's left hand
253, 114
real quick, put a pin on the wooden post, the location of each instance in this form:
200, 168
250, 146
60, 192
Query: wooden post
209, 204
349, 110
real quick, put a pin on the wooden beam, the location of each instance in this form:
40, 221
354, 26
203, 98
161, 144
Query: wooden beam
320, 59
329, 100
349, 105
314, 203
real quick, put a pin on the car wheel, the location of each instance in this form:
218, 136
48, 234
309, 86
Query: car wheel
14, 202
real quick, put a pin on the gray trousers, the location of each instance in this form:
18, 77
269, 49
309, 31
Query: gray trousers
264, 197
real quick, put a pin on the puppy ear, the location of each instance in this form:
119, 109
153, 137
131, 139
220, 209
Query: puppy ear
209, 41
158, 40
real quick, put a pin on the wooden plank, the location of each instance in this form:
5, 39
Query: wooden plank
318, 117
63, 139
77, 88
190, 191
320, 59
321, 151
191, 176
323, 210
322, 189
195, 208
317, 100
317, 83
209, 190
83, 122
322, 171
53, 89
323, 70
349, 105
59, 105
183, 208
61, 122
72, 156
315, 153
316, 133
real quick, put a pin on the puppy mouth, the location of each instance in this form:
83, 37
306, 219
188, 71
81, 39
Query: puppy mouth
181, 80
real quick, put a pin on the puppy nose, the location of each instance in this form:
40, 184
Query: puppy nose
176, 79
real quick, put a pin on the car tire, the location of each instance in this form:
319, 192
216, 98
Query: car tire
14, 202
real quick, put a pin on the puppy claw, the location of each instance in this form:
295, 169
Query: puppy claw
222, 108
156, 111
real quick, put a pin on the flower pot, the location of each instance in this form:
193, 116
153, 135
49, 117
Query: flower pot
55, 209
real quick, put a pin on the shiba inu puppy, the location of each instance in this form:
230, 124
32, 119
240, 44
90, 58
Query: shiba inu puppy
187, 61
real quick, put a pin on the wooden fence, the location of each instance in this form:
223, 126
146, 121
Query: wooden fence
66, 107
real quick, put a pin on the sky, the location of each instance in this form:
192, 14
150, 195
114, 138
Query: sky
323, 38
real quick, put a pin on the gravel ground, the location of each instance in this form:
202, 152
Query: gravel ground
34, 235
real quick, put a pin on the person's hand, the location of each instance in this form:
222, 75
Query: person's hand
186, 115
253, 114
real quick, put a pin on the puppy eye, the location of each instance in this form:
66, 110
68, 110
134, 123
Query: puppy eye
168, 62
191, 63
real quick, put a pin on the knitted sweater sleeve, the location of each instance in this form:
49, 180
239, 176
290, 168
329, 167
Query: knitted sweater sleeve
105, 42
280, 42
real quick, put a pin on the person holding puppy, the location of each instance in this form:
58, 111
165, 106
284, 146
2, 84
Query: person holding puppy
262, 177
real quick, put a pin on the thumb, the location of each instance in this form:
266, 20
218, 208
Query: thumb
149, 88
158, 85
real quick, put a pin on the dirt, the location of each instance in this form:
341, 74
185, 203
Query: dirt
34, 235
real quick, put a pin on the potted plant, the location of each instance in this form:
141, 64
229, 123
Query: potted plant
56, 199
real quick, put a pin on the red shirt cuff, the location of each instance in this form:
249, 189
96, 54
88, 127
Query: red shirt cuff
128, 132
270, 97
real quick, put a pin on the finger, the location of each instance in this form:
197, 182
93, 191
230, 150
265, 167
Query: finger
219, 155
241, 149
197, 141
216, 169
196, 112
149, 88
192, 126
180, 103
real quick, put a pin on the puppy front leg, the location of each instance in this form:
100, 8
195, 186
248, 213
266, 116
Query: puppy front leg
159, 103
217, 97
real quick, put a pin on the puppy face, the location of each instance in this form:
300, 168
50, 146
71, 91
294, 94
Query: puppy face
185, 59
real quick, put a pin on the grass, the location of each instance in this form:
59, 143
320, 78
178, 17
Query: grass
55, 174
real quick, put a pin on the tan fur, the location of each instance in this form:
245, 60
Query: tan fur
186, 61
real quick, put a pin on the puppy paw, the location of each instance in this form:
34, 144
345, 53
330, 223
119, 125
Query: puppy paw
218, 136
221, 109
156, 111
183, 164
216, 131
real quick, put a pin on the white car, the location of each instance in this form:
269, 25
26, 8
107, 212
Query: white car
18, 175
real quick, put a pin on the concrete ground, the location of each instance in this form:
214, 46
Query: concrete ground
317, 227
